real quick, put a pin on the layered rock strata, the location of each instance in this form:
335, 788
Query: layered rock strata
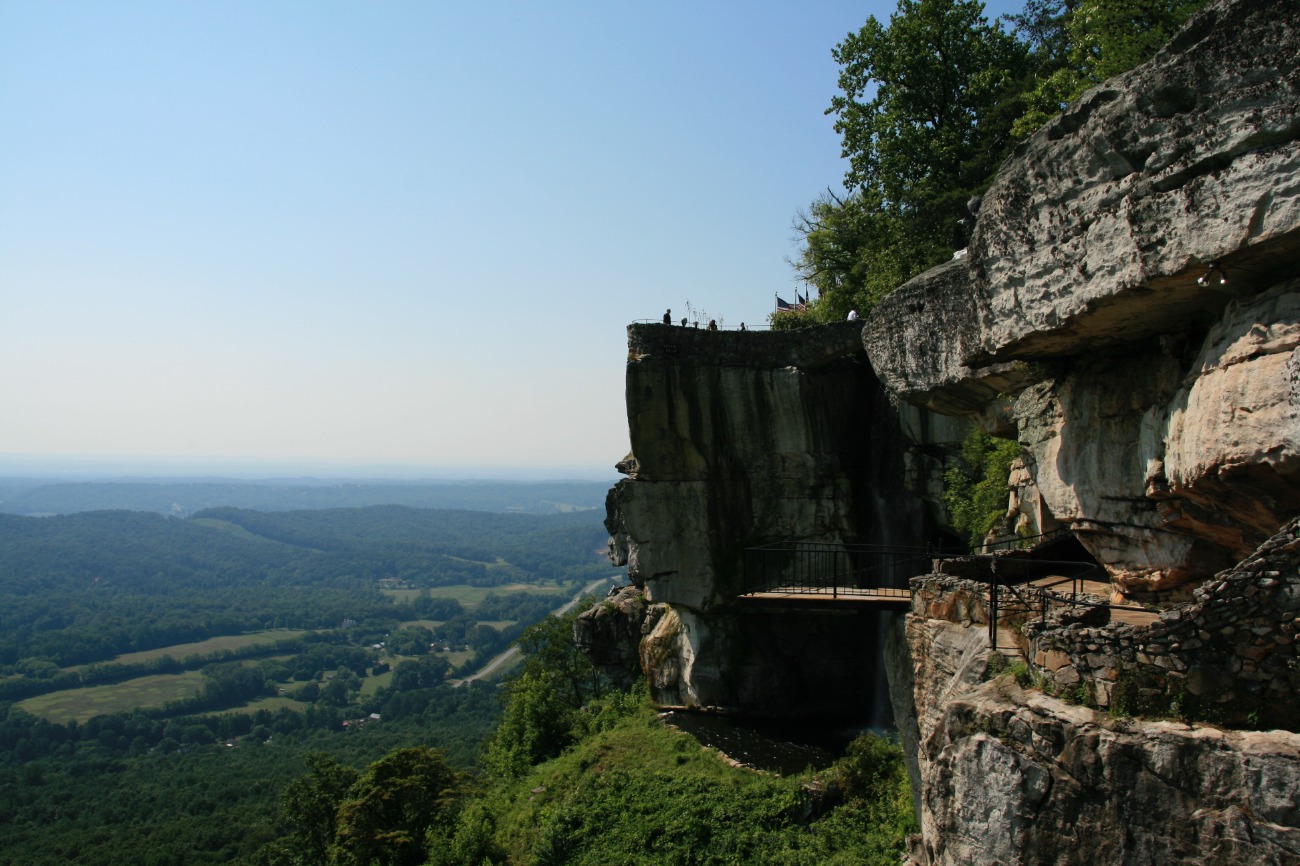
1134, 267
1095, 233
1008, 775
740, 439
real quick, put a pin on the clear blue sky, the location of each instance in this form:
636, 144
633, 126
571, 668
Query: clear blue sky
326, 234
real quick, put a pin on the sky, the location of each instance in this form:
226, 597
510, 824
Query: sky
391, 237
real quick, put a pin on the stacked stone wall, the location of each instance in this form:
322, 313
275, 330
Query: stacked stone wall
1229, 655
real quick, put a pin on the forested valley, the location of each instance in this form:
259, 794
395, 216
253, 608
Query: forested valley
163, 679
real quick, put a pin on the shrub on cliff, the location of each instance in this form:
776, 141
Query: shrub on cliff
975, 488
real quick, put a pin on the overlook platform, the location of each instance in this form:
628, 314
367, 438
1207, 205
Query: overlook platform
1030, 579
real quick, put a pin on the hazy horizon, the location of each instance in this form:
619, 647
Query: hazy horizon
403, 235
112, 468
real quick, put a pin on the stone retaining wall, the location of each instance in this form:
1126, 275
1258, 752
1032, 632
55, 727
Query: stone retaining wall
1228, 656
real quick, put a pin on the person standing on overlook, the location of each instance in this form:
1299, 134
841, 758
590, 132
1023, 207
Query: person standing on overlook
668, 316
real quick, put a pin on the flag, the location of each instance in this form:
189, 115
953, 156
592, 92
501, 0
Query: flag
782, 306
803, 299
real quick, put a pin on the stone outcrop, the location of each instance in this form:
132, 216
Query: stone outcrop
1013, 777
610, 633
741, 439
1133, 275
921, 339
1009, 775
1231, 449
1095, 233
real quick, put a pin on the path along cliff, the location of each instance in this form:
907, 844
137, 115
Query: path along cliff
1129, 312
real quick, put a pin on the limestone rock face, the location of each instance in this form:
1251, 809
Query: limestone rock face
740, 439
1175, 474
1232, 441
920, 337
1133, 274
1095, 232
1015, 777
609, 634
1091, 444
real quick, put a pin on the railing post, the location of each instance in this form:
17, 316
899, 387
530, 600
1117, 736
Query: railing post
993, 605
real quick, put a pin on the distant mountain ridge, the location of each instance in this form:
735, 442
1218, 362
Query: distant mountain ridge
183, 497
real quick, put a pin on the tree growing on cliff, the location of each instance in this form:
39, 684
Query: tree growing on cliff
976, 487
930, 106
1081, 43
924, 115
543, 700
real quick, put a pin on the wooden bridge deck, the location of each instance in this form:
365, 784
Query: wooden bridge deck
886, 598
882, 598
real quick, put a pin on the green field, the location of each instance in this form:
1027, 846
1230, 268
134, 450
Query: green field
498, 624
456, 658
270, 704
83, 704
209, 646
430, 624
375, 682
472, 596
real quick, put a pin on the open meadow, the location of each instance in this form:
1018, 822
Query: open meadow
211, 646
81, 705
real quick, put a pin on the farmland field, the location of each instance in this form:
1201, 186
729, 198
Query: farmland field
471, 596
83, 704
209, 646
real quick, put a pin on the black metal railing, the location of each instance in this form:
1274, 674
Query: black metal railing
1021, 542
1014, 577
1010, 590
808, 567
1011, 593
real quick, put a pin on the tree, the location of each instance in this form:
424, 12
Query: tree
924, 113
542, 702
392, 806
308, 806
550, 651
976, 487
1081, 44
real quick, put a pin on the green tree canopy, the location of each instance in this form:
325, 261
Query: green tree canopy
1082, 44
308, 806
392, 806
930, 105
924, 115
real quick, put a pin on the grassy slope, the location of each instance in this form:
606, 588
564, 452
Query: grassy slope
642, 793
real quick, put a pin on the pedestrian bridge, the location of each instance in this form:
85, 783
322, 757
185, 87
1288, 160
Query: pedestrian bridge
1028, 577
809, 573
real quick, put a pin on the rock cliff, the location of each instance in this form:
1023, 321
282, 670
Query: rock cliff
1129, 311
1132, 277
1014, 775
740, 439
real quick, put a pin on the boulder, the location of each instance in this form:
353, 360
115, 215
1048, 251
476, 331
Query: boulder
1231, 461
1097, 231
919, 337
